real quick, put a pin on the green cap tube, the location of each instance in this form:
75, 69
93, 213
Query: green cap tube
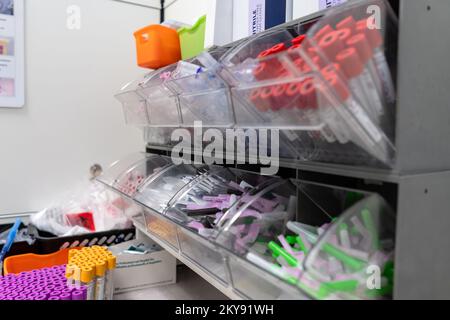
349, 261
370, 226
277, 250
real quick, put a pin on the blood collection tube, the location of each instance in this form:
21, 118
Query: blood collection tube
358, 81
298, 40
371, 78
379, 58
308, 92
100, 272
367, 135
322, 32
331, 44
111, 260
347, 23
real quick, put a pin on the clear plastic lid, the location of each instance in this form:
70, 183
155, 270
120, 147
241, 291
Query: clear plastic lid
157, 192
354, 259
336, 80
353, 50
200, 205
129, 173
134, 106
258, 218
257, 45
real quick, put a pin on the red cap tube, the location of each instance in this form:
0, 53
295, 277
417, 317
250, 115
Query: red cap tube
298, 40
347, 23
278, 48
373, 35
323, 32
338, 86
350, 62
264, 53
332, 68
293, 93
331, 45
308, 90
362, 46
344, 34
279, 97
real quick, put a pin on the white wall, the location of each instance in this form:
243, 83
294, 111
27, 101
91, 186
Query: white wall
187, 11
303, 8
70, 119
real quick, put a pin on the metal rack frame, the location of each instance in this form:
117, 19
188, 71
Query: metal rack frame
419, 184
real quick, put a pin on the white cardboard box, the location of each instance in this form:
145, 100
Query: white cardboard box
136, 272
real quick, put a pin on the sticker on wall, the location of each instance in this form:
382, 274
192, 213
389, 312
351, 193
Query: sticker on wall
12, 59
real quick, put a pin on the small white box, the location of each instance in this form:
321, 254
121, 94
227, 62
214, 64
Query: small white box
140, 271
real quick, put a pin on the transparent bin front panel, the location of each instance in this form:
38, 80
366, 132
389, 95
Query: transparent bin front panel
203, 97
129, 173
134, 108
249, 228
162, 105
200, 206
253, 283
276, 229
156, 193
212, 108
158, 136
285, 103
256, 46
354, 53
204, 253
354, 258
161, 228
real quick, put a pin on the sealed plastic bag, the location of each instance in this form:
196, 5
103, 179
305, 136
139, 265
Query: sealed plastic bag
88, 208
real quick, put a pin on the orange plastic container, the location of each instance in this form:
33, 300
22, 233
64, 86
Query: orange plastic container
31, 261
157, 46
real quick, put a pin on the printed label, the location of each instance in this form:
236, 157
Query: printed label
325, 4
257, 16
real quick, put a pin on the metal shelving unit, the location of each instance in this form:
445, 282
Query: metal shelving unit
419, 184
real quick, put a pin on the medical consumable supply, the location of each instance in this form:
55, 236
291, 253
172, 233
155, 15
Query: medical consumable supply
40, 284
93, 268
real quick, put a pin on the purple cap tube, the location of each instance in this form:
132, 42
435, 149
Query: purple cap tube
53, 298
65, 296
34, 294
84, 290
55, 293
60, 288
40, 297
77, 295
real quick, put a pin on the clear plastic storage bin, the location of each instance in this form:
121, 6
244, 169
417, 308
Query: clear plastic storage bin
162, 103
128, 174
354, 259
204, 96
134, 105
199, 206
161, 228
157, 192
